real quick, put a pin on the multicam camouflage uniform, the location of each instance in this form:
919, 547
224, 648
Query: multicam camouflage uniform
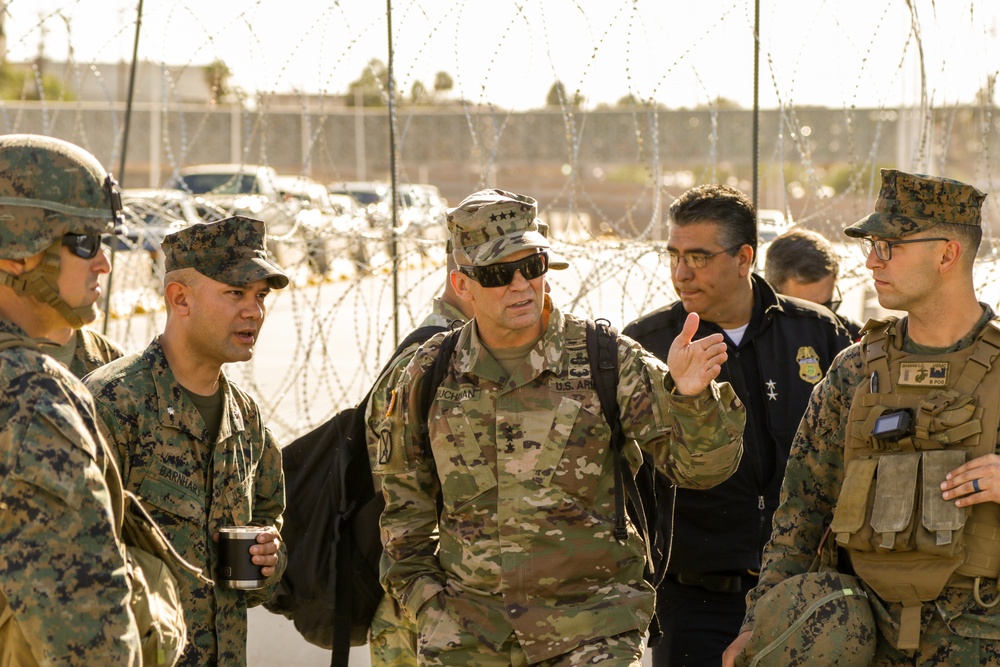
93, 350
61, 566
523, 554
192, 487
392, 638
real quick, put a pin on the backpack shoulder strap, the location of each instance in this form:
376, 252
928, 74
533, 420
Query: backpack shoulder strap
602, 350
433, 378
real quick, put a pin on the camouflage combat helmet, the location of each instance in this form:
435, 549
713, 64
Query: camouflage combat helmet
49, 188
817, 618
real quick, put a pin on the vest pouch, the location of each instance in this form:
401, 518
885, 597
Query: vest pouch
849, 525
941, 522
14, 648
895, 498
947, 419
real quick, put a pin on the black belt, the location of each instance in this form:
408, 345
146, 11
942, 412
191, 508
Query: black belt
718, 582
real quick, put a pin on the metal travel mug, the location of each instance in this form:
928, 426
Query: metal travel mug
235, 568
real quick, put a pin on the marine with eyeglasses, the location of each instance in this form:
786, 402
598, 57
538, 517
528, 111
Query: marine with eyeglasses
894, 474
778, 349
499, 527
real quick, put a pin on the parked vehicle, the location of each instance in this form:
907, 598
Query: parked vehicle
329, 229
239, 189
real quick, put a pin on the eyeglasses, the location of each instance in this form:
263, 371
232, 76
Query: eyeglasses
883, 248
834, 303
695, 260
84, 246
501, 274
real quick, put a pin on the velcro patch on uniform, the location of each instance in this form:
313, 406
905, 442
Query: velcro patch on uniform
456, 395
571, 384
923, 373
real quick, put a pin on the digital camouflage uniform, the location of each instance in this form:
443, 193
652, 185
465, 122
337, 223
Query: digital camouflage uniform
526, 540
955, 629
62, 569
64, 588
392, 637
193, 487
809, 494
93, 350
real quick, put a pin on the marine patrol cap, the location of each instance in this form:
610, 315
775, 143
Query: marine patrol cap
231, 251
492, 224
910, 203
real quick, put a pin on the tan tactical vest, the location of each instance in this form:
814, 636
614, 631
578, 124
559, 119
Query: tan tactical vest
903, 539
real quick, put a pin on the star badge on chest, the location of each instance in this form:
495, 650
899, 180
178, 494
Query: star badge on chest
772, 395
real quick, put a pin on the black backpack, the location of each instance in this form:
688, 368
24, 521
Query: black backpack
330, 588
640, 496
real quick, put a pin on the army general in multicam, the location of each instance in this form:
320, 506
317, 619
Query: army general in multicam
894, 470
392, 637
64, 590
192, 445
499, 539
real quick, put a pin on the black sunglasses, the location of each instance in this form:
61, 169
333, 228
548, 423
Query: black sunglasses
501, 274
84, 246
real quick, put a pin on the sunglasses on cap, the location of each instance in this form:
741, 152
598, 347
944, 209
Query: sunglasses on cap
501, 274
84, 246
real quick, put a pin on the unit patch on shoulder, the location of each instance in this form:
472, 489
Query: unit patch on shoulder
923, 373
808, 360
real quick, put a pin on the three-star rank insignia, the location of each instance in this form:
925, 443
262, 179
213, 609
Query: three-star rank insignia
808, 360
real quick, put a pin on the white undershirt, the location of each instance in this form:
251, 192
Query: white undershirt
736, 335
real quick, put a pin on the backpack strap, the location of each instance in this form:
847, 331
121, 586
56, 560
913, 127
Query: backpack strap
432, 380
602, 350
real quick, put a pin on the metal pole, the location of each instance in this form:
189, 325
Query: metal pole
393, 247
756, 100
124, 153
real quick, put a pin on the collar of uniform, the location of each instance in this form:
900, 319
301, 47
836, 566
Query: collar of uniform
473, 359
176, 410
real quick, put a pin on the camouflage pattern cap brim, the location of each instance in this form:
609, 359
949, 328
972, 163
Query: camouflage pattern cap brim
911, 203
231, 251
557, 262
490, 225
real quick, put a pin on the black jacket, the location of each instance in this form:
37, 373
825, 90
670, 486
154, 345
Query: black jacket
787, 347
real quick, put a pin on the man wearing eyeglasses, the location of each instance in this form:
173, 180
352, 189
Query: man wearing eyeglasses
778, 349
801, 263
499, 526
64, 584
894, 475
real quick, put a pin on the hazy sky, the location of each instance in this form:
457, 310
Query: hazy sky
680, 53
